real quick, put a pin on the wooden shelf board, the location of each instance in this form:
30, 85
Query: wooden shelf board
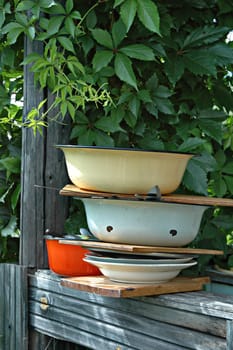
72, 190
140, 248
103, 286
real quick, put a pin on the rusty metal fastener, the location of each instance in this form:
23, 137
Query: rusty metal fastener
44, 304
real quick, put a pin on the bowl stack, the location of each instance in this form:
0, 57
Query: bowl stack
121, 191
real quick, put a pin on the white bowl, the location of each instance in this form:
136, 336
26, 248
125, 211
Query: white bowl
135, 260
143, 222
118, 170
139, 273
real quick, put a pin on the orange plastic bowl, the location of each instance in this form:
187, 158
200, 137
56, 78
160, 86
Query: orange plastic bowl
67, 259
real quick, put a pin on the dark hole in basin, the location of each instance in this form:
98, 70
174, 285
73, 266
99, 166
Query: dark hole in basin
173, 232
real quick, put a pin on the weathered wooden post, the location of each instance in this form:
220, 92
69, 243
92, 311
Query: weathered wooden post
43, 169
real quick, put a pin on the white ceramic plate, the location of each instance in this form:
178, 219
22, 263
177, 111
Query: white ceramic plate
139, 273
135, 260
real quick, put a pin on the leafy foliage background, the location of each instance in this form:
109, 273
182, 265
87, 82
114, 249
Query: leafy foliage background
132, 73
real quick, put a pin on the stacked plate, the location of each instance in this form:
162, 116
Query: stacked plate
149, 268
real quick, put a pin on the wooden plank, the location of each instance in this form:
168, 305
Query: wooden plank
140, 248
103, 286
206, 303
183, 308
72, 190
95, 342
188, 199
115, 309
198, 302
126, 330
13, 307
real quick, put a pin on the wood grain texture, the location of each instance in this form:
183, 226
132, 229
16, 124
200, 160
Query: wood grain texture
72, 190
107, 323
200, 302
13, 307
103, 286
115, 309
140, 248
43, 167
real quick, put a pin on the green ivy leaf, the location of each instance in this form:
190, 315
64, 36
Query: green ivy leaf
200, 62
8, 56
101, 59
212, 114
148, 14
124, 71
55, 9
223, 53
118, 113
138, 51
15, 197
229, 182
219, 186
152, 109
66, 43
69, 6
25, 5
152, 82
108, 124
130, 119
47, 3
2, 18
164, 105
128, 12
228, 168
206, 35
162, 92
223, 96
174, 68
190, 144
150, 141
102, 139
70, 26
118, 32
102, 37
11, 164
220, 157
206, 161
118, 2
134, 106
71, 110
75, 15
31, 32
144, 96
195, 178
13, 34
87, 138
212, 129
54, 24
74, 63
